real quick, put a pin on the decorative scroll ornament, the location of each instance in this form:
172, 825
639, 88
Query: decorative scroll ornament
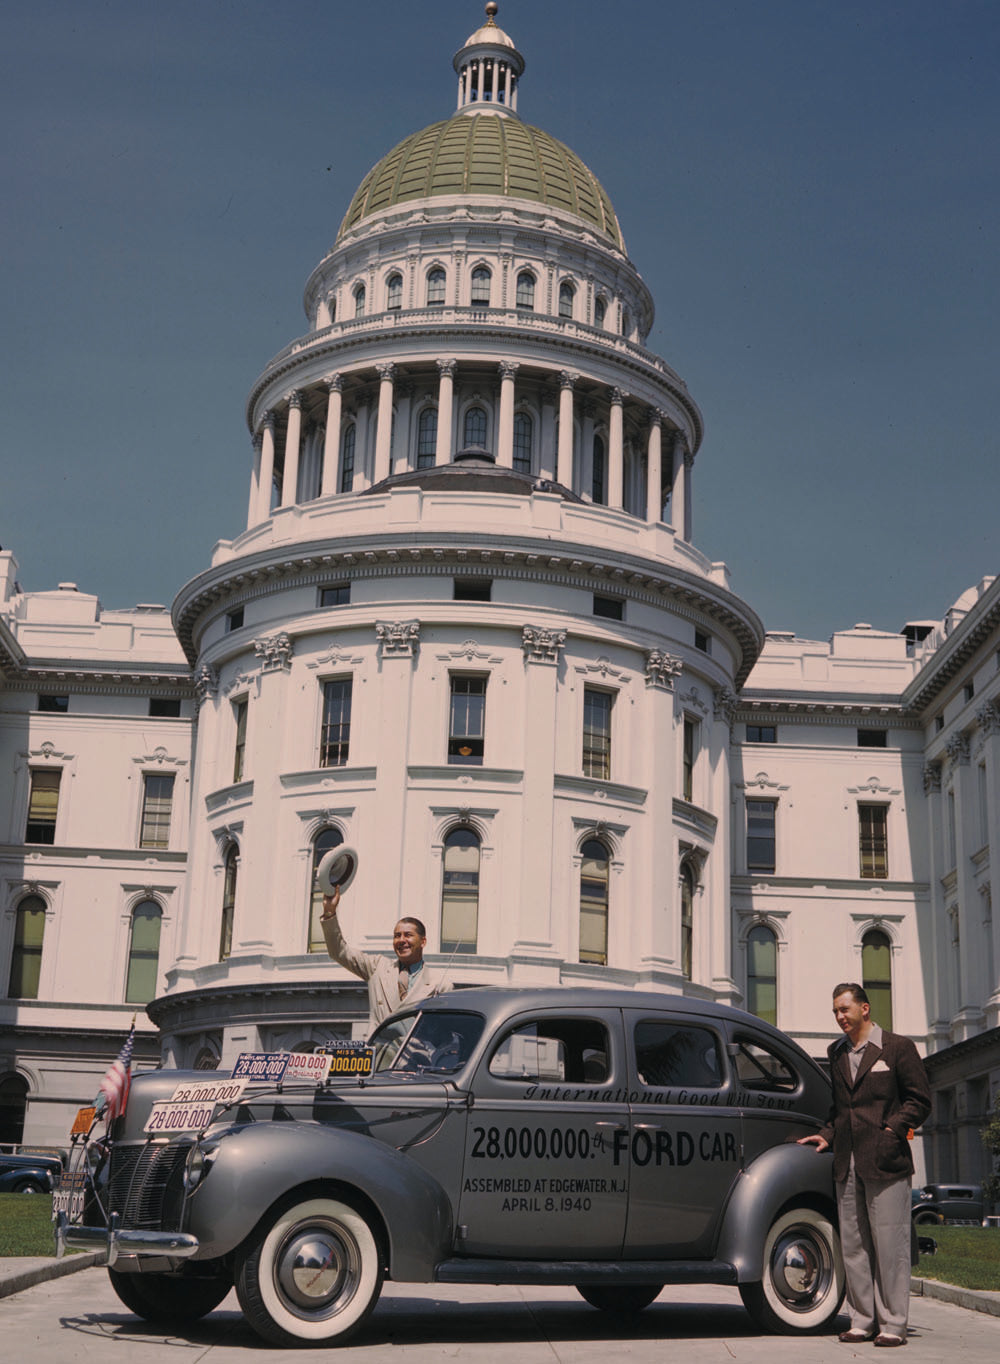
958, 749
398, 638
274, 652
662, 668
932, 778
206, 683
540, 644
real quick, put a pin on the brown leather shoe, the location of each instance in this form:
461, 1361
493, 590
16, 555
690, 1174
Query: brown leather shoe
855, 1337
889, 1341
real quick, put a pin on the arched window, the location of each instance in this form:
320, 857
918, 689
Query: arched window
626, 322
332, 304
474, 429
525, 290
460, 892
228, 903
481, 281
762, 974
687, 920
26, 958
427, 430
599, 476
143, 953
13, 1104
322, 843
359, 301
523, 427
394, 291
876, 975
206, 1060
435, 287
600, 311
347, 444
566, 295
594, 870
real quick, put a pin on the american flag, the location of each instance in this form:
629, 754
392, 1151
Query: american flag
115, 1086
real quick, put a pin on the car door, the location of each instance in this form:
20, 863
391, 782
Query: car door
540, 1178
683, 1151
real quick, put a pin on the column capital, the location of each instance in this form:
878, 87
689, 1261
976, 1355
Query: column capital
267, 420
662, 668
334, 383
656, 417
295, 398
507, 368
274, 651
386, 371
688, 460
932, 778
397, 638
540, 644
447, 368
988, 717
617, 397
958, 749
567, 378
680, 443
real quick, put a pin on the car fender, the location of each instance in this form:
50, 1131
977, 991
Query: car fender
778, 1178
257, 1165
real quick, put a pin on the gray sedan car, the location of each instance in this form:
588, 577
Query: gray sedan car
610, 1139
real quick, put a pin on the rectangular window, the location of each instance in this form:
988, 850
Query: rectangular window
612, 608
952, 833
597, 733
467, 721
164, 707
984, 806
873, 738
873, 836
43, 805
240, 709
157, 801
703, 641
339, 594
335, 740
762, 734
234, 619
473, 589
690, 757
54, 705
969, 691
761, 821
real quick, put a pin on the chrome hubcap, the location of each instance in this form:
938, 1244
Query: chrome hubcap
317, 1270
801, 1269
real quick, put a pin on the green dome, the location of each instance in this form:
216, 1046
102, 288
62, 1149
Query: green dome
485, 154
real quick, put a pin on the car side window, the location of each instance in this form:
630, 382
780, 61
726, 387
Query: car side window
757, 1067
574, 1050
669, 1053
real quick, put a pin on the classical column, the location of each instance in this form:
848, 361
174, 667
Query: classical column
446, 393
401, 452
254, 482
293, 435
654, 470
361, 425
616, 451
678, 494
506, 84
547, 441
688, 466
383, 429
564, 466
331, 445
265, 482
587, 453
505, 434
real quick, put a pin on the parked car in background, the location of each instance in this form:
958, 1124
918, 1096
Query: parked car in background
938, 1203
609, 1139
29, 1173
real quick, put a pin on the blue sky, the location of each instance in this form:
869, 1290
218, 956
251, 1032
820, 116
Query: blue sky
809, 189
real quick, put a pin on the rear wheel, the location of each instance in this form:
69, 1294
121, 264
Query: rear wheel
169, 1297
803, 1283
28, 1186
621, 1298
927, 1218
313, 1274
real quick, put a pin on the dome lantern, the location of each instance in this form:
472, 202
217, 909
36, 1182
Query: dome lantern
489, 67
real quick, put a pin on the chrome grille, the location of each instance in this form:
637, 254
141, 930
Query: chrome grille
146, 1188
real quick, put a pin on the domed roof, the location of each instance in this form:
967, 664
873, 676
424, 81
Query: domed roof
490, 32
482, 154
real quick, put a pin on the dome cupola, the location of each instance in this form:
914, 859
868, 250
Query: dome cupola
488, 67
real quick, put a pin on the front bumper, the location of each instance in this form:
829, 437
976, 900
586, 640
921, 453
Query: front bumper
114, 1241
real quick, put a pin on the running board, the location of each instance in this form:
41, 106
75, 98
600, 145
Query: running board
607, 1273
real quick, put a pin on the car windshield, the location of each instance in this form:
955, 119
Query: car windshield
416, 1044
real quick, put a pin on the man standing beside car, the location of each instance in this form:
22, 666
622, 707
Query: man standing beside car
391, 984
880, 1093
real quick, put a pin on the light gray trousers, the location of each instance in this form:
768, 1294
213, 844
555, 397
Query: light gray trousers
875, 1240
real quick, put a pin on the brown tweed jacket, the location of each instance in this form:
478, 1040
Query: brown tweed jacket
870, 1118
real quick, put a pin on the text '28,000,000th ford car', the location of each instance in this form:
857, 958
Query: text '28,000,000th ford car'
609, 1139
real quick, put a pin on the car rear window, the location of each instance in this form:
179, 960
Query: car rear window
668, 1053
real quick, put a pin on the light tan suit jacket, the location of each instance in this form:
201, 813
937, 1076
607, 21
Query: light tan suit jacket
382, 975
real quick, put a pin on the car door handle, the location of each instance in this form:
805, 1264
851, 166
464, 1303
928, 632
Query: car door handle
648, 1127
611, 1126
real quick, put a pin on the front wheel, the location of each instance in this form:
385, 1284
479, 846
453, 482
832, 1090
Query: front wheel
803, 1283
619, 1298
312, 1275
927, 1218
169, 1297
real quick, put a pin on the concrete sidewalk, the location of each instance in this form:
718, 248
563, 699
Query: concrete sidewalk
18, 1272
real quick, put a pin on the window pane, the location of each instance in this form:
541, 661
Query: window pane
468, 718
597, 488
594, 903
876, 975
522, 442
460, 892
157, 800
322, 843
347, 459
760, 835
144, 953
359, 301
475, 427
525, 290
394, 292
672, 1054
435, 288
427, 428
873, 838
762, 966
481, 285
336, 735
43, 805
26, 958
596, 734
228, 905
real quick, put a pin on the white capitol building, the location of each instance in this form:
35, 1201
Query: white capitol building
467, 630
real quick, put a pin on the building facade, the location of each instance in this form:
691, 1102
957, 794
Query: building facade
467, 630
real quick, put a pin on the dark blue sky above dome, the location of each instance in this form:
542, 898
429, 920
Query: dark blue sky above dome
809, 190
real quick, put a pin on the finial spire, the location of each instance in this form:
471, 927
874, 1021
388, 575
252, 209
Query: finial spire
489, 67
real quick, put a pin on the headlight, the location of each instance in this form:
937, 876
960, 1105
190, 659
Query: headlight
198, 1164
